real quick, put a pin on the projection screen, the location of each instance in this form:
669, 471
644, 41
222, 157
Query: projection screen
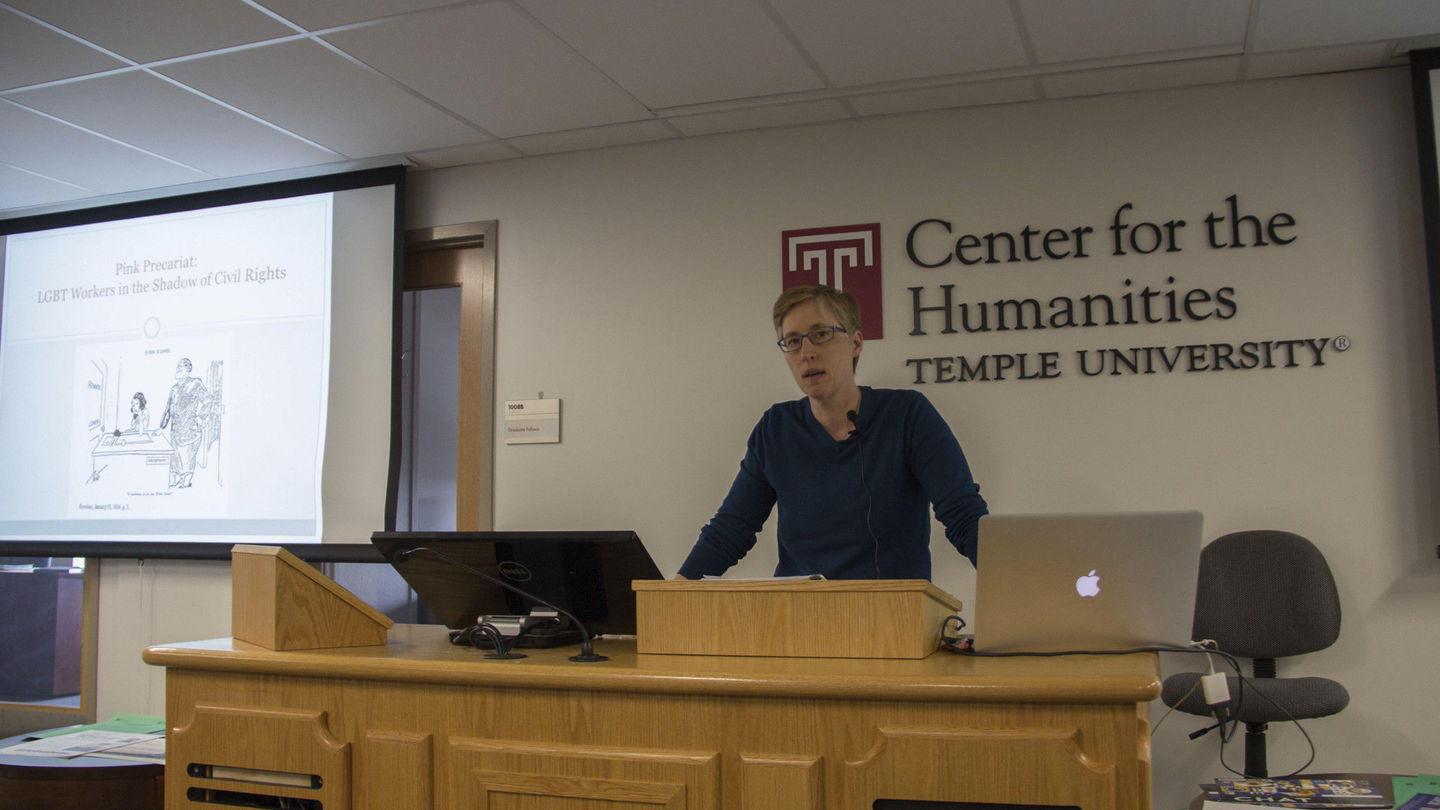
182, 374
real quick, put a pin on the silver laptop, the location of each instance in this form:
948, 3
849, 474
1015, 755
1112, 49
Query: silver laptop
1101, 581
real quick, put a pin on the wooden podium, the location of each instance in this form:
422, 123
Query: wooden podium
418, 724
887, 618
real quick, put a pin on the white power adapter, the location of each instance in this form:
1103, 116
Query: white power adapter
1217, 690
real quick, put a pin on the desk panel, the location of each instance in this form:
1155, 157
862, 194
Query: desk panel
428, 725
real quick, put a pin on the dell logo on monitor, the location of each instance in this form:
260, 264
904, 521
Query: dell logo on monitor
514, 571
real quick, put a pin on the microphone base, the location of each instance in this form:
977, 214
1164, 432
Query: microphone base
589, 659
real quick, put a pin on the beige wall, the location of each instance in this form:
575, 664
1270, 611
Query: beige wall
634, 284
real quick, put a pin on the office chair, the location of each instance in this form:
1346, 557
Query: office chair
1264, 595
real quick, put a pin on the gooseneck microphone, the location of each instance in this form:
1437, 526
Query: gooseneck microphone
854, 418
587, 648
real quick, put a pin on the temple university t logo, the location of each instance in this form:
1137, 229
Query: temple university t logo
846, 257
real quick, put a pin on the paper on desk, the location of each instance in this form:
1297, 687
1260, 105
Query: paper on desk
123, 723
77, 744
1408, 786
150, 749
132, 724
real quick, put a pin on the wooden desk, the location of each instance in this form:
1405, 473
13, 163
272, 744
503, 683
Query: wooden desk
421, 724
81, 783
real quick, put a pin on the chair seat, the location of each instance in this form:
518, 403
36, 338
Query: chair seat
1303, 698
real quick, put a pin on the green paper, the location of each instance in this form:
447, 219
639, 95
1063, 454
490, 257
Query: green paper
124, 723
1407, 786
132, 724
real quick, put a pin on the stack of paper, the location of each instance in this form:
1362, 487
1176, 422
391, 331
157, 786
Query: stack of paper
124, 736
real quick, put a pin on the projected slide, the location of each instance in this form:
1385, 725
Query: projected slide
166, 377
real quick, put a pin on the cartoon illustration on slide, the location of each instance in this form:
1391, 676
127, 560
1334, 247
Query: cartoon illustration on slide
131, 452
139, 414
185, 411
187, 434
210, 426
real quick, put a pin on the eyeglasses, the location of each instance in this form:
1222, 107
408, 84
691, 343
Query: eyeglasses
819, 336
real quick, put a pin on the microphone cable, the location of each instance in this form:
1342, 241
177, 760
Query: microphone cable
869, 496
491, 634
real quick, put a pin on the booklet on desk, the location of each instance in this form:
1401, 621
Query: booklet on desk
1336, 792
1421, 801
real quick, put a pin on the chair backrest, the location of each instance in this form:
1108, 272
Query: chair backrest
1266, 594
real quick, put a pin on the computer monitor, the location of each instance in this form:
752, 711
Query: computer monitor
585, 573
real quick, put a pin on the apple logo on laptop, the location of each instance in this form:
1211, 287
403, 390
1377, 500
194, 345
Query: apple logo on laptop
1088, 585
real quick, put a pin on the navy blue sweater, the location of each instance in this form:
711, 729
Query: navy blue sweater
910, 461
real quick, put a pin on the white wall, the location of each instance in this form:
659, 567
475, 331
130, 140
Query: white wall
147, 602
634, 283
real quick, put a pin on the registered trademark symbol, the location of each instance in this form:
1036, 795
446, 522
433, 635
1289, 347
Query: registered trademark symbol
1341, 343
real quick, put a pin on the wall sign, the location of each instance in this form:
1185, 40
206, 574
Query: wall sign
532, 421
846, 257
938, 245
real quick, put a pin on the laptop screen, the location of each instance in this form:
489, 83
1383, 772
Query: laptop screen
585, 573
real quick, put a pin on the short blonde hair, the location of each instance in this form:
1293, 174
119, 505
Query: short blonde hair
840, 303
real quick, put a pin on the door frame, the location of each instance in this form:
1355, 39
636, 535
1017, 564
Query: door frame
474, 274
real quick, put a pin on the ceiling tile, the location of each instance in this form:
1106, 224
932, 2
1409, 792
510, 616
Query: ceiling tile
780, 115
1288, 24
323, 97
939, 98
198, 133
1066, 31
31, 53
1142, 77
494, 66
316, 14
146, 30
1316, 60
859, 42
21, 189
593, 138
671, 53
69, 155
